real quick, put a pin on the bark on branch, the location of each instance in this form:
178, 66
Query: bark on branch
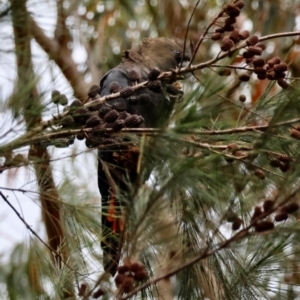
62, 57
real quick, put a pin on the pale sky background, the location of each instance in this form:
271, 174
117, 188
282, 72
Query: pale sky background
12, 230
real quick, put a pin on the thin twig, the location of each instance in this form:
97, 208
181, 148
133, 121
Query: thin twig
203, 36
187, 30
35, 234
28, 139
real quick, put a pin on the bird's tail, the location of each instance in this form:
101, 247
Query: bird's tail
112, 182
112, 230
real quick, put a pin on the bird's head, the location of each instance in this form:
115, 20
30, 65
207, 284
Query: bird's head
162, 53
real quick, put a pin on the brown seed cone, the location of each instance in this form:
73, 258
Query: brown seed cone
225, 72
249, 61
271, 75
294, 133
220, 30
134, 75
282, 67
234, 36
114, 87
82, 289
261, 76
239, 153
284, 158
283, 83
93, 91
126, 91
128, 285
232, 146
284, 166
268, 204
140, 275
63, 100
260, 71
228, 28
239, 4
242, 98
274, 61
275, 163
80, 136
60, 142
232, 10
260, 174
248, 55
82, 111
281, 216
137, 266
228, 7
76, 103
117, 125
71, 139
99, 128
244, 34
290, 207
253, 40
133, 121
153, 74
237, 224
123, 115
280, 75
257, 212
258, 62
123, 269
231, 217
119, 279
98, 293
264, 226
104, 110
244, 77
226, 44
229, 21
55, 95
255, 50
111, 116
67, 121
262, 46
216, 36
155, 86
93, 121
91, 143
121, 106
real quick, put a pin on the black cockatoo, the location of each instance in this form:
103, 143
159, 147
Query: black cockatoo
152, 107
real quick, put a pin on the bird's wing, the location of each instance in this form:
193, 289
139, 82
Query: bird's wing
118, 164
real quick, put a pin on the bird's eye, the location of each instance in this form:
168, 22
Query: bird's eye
177, 55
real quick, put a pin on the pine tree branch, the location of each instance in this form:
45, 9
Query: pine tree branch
208, 253
33, 137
